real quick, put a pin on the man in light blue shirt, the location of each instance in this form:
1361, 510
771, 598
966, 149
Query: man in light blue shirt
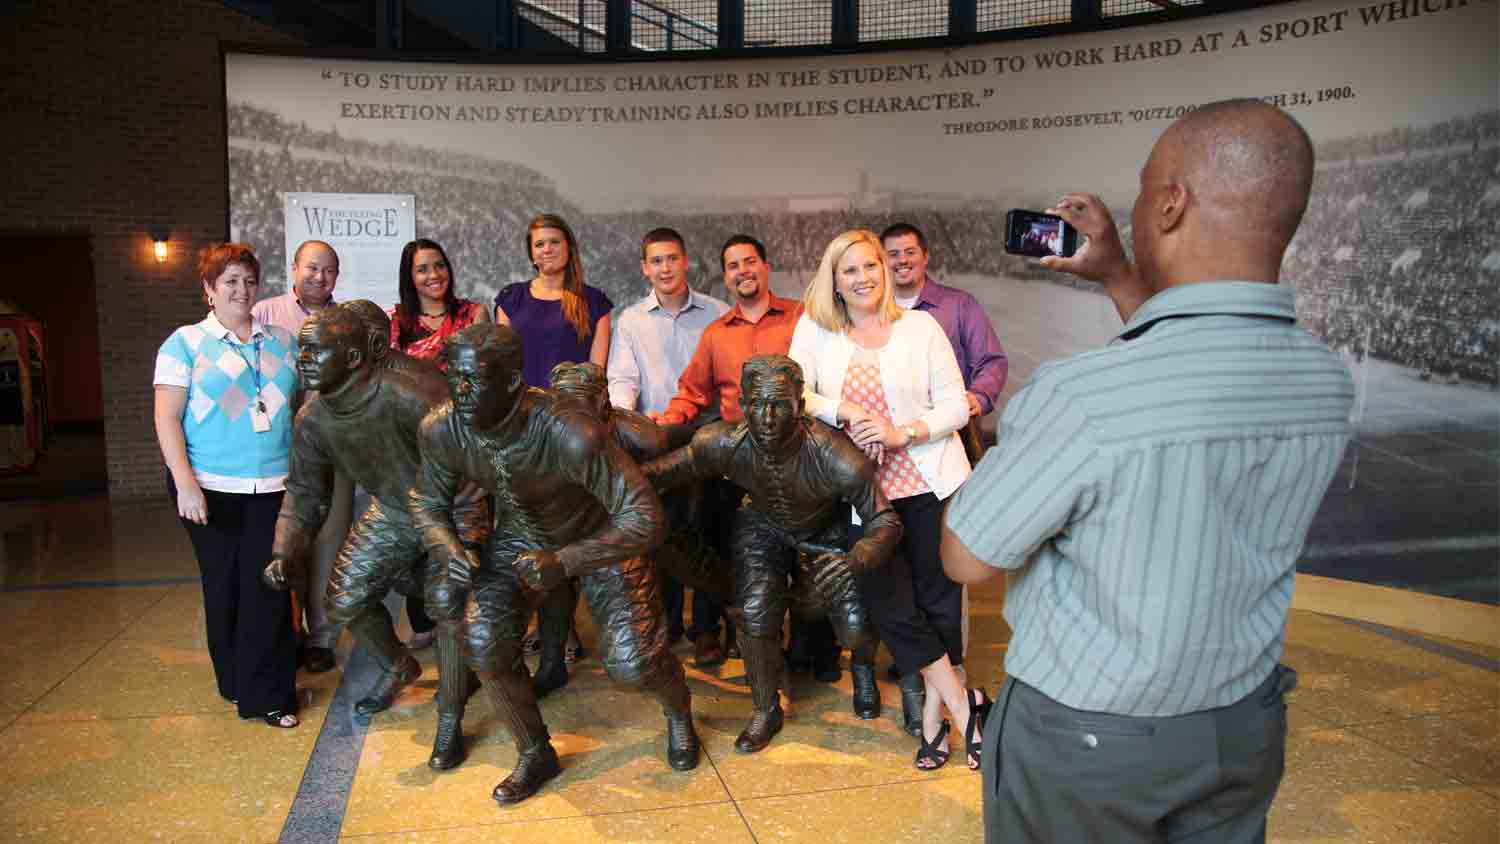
653, 341
1148, 502
654, 338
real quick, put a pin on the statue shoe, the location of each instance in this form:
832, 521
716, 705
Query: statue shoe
866, 693
533, 769
448, 747
682, 742
913, 699
758, 733
389, 686
549, 677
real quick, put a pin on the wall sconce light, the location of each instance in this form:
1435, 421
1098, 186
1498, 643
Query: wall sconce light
159, 247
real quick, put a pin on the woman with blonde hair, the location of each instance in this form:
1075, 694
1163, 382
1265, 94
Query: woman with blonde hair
889, 377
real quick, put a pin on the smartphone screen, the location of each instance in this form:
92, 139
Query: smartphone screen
1038, 235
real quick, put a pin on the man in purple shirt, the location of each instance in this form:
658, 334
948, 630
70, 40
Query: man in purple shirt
980, 358
315, 271
968, 327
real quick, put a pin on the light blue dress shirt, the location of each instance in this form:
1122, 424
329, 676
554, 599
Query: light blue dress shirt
650, 347
1151, 498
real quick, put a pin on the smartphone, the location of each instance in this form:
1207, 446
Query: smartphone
1037, 235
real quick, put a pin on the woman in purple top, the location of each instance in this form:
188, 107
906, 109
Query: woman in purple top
560, 319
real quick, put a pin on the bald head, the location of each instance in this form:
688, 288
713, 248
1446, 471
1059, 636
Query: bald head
1223, 193
1248, 161
315, 272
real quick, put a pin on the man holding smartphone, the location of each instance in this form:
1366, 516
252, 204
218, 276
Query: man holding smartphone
1148, 503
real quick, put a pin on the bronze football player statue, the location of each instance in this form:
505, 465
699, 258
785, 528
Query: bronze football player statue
569, 503
685, 555
787, 541
365, 403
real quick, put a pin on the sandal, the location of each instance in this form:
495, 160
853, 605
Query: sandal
276, 718
573, 651
933, 754
974, 730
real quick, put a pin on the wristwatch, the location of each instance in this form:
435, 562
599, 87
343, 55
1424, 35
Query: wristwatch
911, 435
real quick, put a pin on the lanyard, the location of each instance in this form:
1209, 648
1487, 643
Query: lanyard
260, 404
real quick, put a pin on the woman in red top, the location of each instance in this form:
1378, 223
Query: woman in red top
428, 313
429, 310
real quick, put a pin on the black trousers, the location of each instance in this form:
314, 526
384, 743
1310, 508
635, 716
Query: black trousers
917, 610
250, 637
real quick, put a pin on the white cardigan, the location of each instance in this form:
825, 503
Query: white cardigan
922, 383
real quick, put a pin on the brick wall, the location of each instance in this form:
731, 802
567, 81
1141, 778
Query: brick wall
114, 115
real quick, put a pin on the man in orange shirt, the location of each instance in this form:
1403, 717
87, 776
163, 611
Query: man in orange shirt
758, 323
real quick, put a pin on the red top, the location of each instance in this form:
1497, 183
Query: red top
429, 346
726, 344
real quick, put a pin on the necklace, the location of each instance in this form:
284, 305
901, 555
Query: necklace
434, 316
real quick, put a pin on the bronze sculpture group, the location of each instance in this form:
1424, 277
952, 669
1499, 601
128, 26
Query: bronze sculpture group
486, 493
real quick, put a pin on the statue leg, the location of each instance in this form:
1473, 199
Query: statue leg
625, 600
851, 622
850, 619
760, 577
496, 620
447, 603
554, 620
367, 566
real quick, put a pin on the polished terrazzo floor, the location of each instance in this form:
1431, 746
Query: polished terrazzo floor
111, 731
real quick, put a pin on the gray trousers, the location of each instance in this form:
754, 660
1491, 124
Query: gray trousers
1052, 774
313, 582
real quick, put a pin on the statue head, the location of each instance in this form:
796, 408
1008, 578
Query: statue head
377, 325
771, 394
484, 373
585, 383
333, 345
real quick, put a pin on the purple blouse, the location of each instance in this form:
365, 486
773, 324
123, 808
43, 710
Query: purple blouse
546, 336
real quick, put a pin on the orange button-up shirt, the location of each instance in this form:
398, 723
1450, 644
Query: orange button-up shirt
726, 344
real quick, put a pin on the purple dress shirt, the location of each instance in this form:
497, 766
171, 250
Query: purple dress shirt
980, 357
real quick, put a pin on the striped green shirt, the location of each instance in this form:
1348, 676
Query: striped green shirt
1150, 500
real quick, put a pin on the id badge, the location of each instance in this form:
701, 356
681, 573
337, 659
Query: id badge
260, 420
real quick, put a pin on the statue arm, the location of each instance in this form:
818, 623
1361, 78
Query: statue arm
309, 493
431, 499
636, 523
882, 525
695, 461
